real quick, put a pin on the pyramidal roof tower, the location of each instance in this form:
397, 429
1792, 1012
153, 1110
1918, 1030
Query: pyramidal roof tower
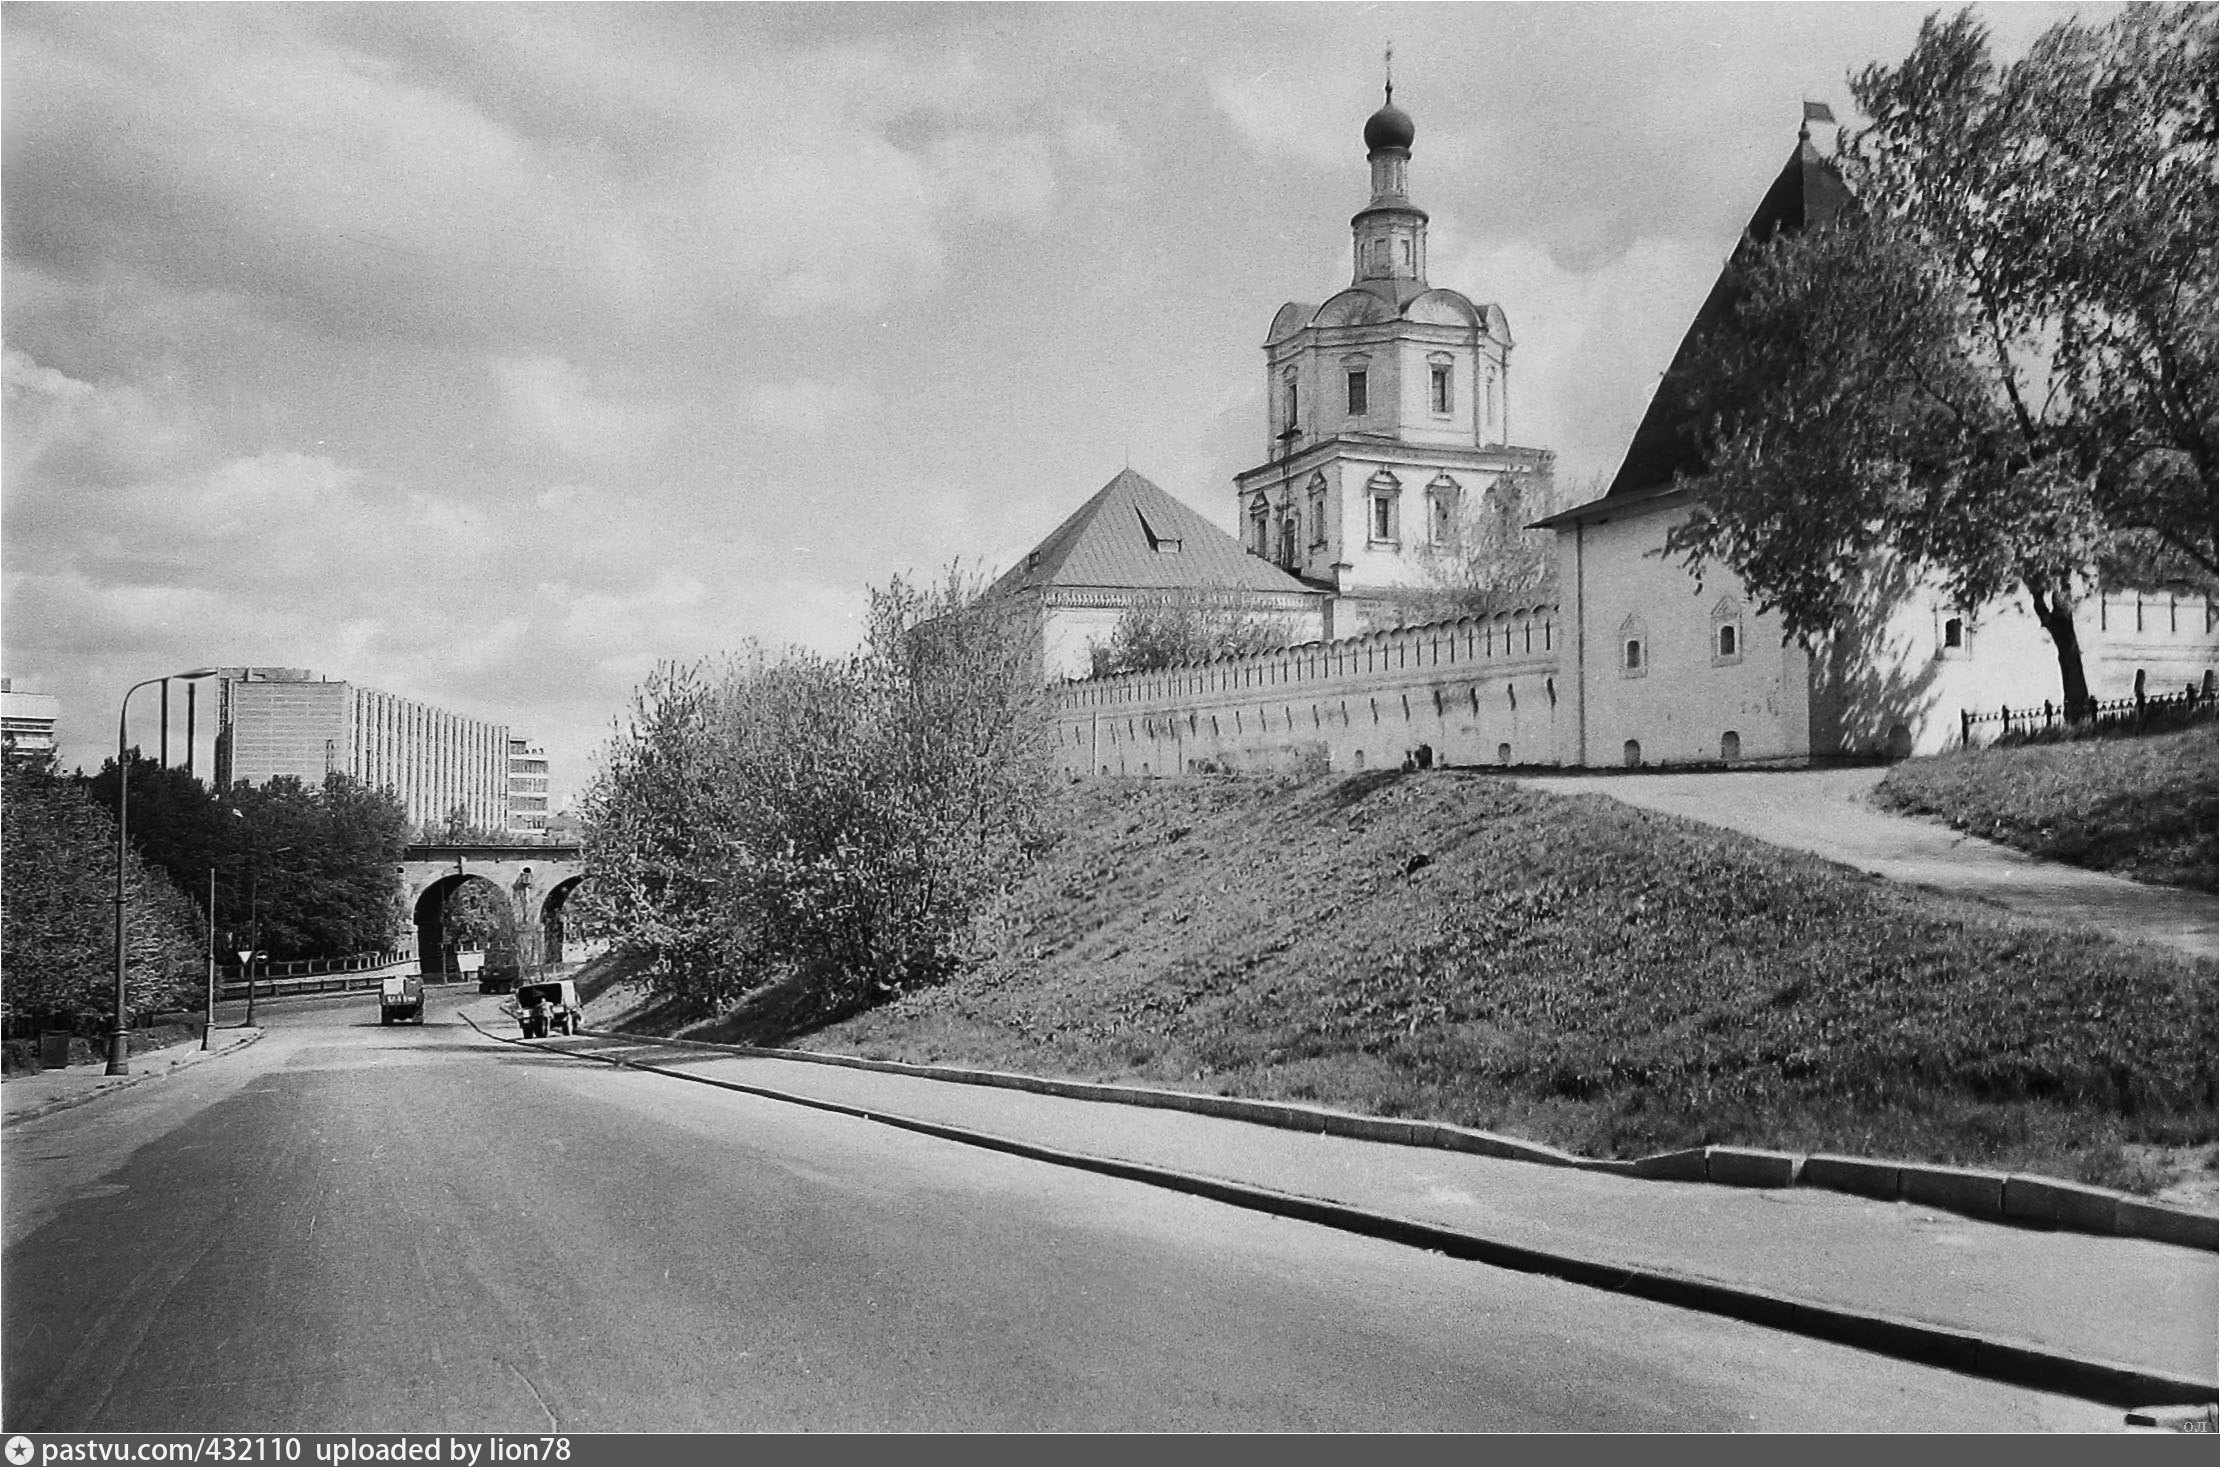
1807, 192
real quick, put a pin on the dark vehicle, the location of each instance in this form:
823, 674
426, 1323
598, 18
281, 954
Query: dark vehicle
401, 999
544, 1008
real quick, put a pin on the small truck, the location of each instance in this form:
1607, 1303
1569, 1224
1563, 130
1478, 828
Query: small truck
401, 999
542, 1008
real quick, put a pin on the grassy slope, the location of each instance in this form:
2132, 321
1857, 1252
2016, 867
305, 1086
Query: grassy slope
1455, 946
2147, 808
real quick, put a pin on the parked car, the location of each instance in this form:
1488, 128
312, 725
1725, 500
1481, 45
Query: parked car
401, 999
544, 1008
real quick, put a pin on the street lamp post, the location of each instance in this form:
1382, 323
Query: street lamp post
208, 1029
119, 1042
254, 922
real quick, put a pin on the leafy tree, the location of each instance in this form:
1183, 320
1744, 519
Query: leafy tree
57, 864
1492, 561
1183, 629
834, 819
314, 870
2000, 366
456, 828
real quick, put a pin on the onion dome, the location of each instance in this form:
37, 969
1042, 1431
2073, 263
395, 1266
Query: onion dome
1390, 127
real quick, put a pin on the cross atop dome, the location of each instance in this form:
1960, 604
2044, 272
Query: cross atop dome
1391, 126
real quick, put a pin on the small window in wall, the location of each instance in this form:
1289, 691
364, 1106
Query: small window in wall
1726, 632
1293, 400
1502, 753
1359, 759
1730, 746
1953, 636
1634, 753
1259, 528
1359, 398
1443, 379
1406, 254
1634, 648
1441, 525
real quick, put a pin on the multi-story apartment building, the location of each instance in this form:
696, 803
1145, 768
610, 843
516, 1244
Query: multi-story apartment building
276, 721
527, 789
27, 721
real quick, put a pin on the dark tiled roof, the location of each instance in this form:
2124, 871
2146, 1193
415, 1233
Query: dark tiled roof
1808, 191
1133, 534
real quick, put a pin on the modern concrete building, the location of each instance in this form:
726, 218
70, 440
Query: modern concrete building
27, 722
527, 789
276, 721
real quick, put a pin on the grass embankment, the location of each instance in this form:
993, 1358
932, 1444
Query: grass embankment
2147, 808
1457, 947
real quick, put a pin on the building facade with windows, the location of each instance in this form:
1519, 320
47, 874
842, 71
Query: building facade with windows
27, 722
1387, 411
527, 789
275, 721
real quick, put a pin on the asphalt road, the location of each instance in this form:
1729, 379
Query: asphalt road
356, 1228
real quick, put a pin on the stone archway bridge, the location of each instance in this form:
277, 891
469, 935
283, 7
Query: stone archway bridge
537, 878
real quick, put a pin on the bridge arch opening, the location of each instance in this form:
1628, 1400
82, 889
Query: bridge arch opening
465, 912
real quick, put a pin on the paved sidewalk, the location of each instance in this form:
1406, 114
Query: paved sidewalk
1827, 812
27, 1097
2118, 1301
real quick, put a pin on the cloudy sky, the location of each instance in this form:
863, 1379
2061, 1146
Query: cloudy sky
490, 354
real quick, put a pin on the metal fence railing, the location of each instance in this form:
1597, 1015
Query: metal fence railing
2166, 710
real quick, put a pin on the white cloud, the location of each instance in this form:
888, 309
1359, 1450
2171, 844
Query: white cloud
548, 399
806, 406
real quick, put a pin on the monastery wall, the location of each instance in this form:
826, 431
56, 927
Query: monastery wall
1479, 690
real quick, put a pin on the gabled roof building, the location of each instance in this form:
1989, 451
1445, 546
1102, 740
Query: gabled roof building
1132, 544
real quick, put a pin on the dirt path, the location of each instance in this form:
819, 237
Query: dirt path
1828, 813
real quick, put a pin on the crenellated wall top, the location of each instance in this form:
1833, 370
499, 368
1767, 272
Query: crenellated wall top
1520, 635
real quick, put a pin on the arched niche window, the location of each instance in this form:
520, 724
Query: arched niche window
1260, 522
1633, 648
1291, 401
1442, 498
1726, 632
1316, 491
1954, 635
1383, 492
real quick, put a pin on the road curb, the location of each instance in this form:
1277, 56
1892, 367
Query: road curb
1967, 1352
2014, 1199
71, 1102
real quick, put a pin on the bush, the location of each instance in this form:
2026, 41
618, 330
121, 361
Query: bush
834, 820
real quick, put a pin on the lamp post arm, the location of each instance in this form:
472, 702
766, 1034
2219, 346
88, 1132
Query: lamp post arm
119, 1060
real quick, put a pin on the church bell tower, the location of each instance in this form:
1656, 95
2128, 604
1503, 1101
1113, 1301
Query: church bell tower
1387, 408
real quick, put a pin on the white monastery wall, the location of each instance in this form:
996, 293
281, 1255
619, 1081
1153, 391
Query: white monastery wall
1474, 691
